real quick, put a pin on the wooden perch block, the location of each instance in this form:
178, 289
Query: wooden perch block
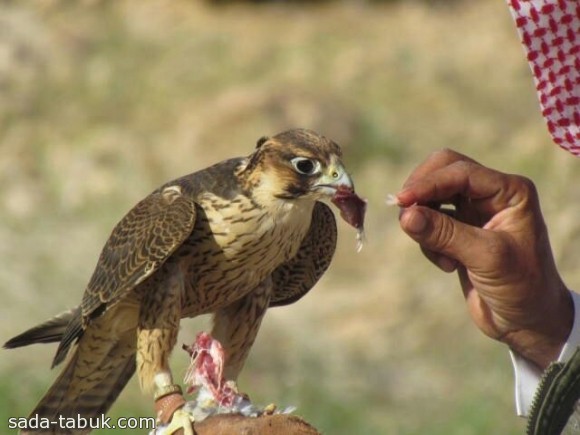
232, 424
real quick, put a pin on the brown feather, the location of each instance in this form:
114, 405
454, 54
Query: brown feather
296, 277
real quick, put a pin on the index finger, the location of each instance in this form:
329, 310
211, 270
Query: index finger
437, 160
490, 190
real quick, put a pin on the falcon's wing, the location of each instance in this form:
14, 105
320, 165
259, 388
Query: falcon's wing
139, 245
295, 278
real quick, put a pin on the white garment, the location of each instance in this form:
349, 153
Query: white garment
528, 375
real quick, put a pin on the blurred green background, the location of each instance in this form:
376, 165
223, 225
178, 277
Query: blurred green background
101, 101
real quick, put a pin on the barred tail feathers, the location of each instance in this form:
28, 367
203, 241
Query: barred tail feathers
90, 382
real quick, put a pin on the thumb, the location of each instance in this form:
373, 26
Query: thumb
442, 234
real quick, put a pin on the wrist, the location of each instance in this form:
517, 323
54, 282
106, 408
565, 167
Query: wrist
542, 343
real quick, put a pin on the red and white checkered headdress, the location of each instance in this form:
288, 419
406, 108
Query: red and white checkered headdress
550, 33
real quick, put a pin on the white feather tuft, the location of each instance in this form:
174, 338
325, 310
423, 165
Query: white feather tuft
391, 200
360, 239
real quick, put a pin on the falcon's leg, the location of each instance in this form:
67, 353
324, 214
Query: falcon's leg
236, 327
156, 336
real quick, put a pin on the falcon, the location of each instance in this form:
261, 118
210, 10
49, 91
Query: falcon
233, 239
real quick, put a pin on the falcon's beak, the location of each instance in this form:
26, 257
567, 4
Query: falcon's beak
334, 179
337, 184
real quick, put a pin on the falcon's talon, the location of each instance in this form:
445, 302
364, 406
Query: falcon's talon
270, 409
181, 419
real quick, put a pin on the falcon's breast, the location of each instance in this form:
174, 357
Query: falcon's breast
233, 225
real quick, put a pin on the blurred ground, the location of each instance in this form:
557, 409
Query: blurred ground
102, 101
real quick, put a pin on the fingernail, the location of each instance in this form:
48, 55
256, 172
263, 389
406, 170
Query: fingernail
402, 199
416, 223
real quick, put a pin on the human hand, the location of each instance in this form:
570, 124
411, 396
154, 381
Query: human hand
496, 239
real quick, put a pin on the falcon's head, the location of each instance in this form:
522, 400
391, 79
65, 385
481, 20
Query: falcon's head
302, 165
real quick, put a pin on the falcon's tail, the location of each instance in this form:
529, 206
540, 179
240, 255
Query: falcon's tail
88, 385
64, 328
50, 331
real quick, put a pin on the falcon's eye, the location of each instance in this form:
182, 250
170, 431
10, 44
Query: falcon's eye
306, 166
